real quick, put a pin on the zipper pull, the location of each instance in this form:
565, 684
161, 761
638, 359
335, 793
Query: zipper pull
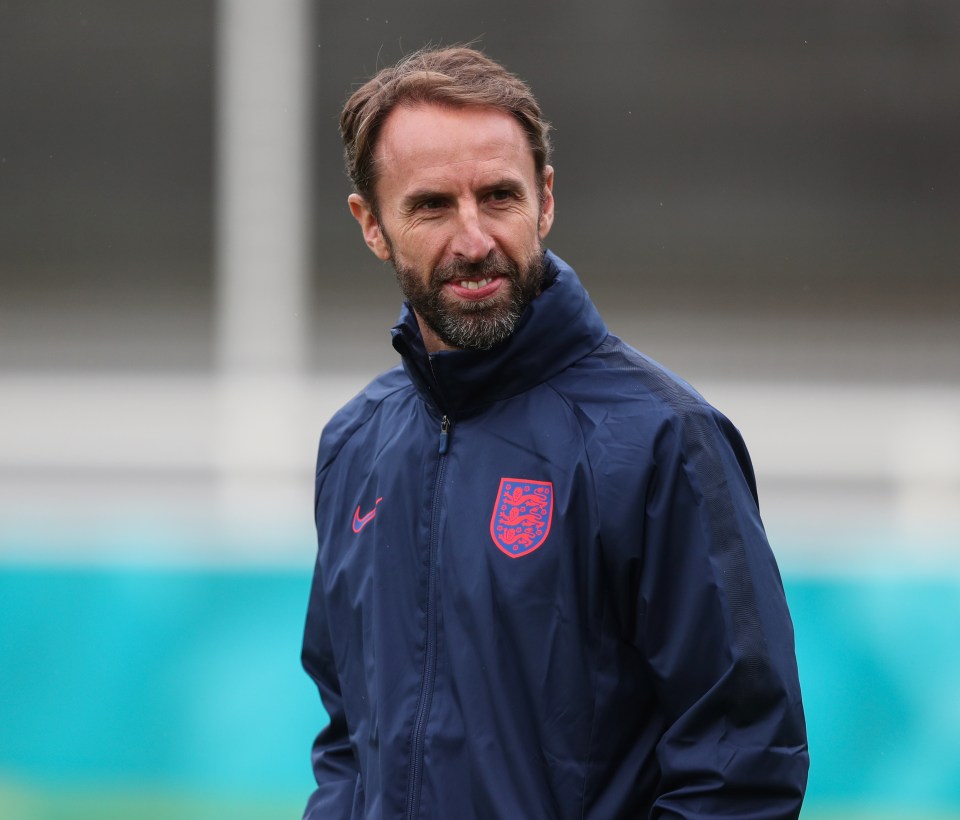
444, 435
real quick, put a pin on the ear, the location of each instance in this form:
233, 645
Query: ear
370, 226
546, 209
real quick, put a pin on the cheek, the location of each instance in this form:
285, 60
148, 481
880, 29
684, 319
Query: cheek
428, 246
415, 254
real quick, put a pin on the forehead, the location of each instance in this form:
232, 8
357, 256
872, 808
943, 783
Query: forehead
430, 142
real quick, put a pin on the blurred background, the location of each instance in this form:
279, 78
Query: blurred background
764, 197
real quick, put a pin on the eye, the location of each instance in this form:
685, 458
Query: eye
501, 195
431, 204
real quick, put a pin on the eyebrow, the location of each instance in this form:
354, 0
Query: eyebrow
422, 194
515, 186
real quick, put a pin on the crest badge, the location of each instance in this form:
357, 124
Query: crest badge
521, 515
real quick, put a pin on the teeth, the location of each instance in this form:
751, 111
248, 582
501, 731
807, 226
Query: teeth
470, 284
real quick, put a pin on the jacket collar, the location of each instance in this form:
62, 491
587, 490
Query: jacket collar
559, 327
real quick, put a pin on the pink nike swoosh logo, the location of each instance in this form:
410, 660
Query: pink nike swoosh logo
359, 522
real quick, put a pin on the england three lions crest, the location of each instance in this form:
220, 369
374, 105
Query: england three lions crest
521, 515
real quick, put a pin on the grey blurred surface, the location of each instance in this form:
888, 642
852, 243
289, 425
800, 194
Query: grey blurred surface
793, 166
764, 197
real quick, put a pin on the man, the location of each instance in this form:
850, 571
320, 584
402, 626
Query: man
543, 589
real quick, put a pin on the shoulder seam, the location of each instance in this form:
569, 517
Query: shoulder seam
333, 456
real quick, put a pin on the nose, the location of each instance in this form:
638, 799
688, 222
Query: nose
471, 242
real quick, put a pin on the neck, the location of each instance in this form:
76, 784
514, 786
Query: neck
432, 342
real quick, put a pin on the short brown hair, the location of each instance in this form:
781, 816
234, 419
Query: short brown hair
456, 76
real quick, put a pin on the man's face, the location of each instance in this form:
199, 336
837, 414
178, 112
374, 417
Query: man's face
461, 218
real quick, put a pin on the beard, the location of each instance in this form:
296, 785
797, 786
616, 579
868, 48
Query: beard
473, 325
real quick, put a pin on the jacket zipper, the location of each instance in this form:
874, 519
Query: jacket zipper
430, 659
444, 435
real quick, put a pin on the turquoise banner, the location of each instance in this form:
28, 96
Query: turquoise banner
149, 693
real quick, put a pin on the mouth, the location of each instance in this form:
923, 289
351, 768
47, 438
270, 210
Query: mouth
474, 284
476, 288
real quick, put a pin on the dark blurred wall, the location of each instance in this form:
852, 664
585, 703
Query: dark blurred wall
796, 159
106, 190
784, 156
106, 141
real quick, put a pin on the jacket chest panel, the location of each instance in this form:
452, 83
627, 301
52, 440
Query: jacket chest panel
484, 559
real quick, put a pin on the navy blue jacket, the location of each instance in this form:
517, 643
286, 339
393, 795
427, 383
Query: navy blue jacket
543, 590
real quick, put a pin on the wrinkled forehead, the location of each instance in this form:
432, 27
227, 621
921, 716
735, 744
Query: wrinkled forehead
427, 138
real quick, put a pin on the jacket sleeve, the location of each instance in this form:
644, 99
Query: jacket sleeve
334, 763
711, 620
